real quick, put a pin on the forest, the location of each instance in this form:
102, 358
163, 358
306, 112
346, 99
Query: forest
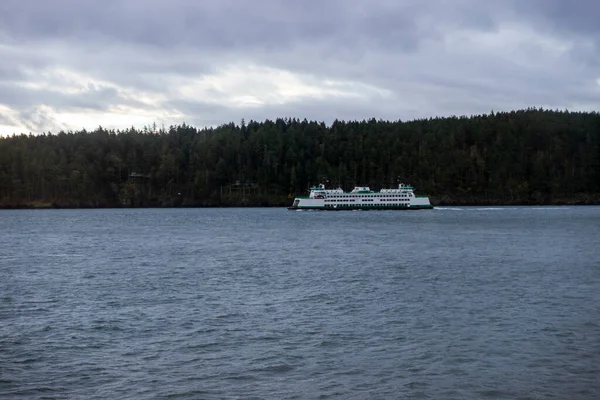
530, 156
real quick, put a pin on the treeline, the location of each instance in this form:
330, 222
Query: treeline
529, 156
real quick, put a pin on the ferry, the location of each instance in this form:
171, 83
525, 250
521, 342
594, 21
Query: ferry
361, 198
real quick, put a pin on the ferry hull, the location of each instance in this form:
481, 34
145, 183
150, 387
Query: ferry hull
361, 208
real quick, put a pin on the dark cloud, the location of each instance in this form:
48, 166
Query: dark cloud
89, 98
573, 21
34, 119
274, 25
37, 119
225, 25
563, 16
430, 57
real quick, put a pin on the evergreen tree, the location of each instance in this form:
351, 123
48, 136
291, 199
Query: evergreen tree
519, 157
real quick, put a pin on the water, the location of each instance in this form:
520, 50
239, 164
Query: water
452, 303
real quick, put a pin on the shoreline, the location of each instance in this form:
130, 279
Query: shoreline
435, 205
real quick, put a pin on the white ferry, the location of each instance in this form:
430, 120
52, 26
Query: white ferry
361, 198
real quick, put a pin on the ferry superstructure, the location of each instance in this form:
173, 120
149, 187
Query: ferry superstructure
361, 198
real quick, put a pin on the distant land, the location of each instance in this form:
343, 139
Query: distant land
523, 157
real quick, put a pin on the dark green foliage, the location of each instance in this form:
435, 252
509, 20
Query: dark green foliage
521, 157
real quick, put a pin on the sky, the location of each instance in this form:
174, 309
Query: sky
73, 64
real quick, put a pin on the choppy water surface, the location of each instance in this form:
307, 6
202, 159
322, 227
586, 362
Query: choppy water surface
452, 303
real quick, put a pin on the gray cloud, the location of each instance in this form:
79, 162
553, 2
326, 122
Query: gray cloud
430, 57
35, 119
8, 120
91, 99
567, 17
228, 24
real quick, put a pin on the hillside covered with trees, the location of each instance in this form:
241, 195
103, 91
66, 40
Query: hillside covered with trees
529, 156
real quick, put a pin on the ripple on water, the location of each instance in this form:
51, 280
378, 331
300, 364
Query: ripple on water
466, 303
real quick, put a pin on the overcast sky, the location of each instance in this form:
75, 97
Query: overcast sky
72, 64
